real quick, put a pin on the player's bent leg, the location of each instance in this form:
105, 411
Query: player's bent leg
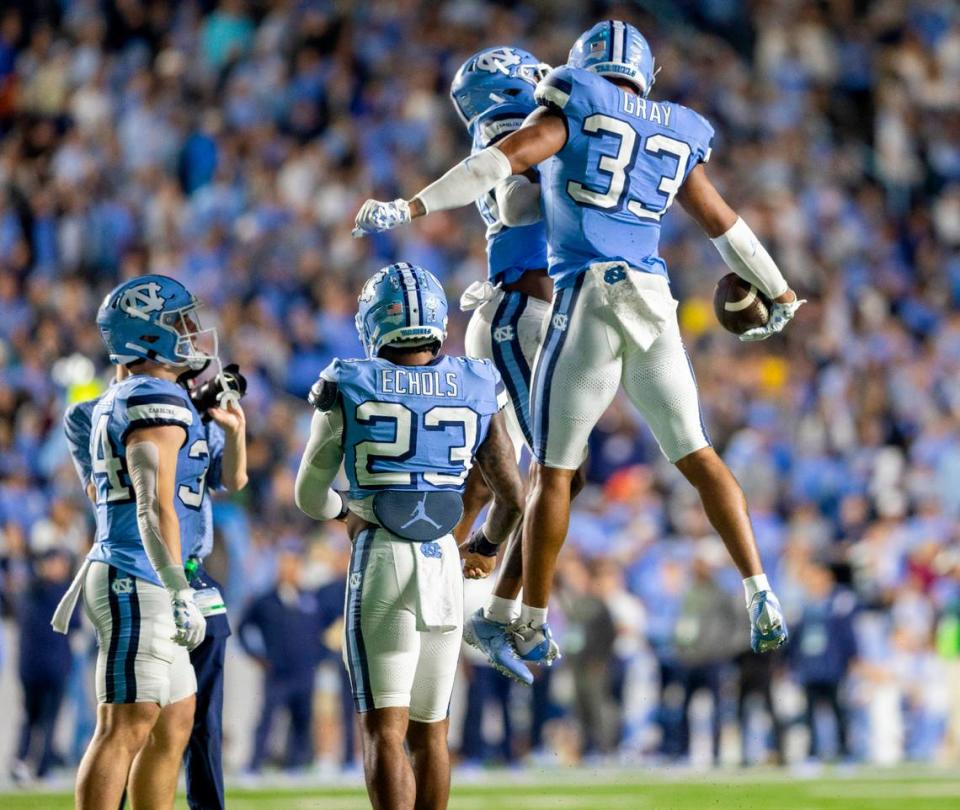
122, 730
576, 377
388, 773
661, 384
430, 758
153, 776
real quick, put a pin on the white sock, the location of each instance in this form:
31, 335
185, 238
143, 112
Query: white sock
753, 585
535, 617
500, 610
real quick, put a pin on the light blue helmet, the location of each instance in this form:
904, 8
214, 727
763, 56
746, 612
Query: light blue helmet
401, 304
492, 76
155, 318
618, 50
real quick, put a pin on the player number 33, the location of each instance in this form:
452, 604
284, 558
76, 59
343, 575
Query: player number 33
598, 125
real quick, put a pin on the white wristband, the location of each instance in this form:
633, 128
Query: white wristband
754, 585
467, 181
745, 256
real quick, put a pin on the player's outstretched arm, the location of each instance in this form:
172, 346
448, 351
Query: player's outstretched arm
740, 249
152, 458
543, 134
498, 464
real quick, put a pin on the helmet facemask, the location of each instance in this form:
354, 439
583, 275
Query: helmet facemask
195, 347
198, 348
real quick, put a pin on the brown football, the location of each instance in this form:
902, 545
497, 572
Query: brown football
739, 305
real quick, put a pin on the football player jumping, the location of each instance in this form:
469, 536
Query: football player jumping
611, 163
408, 423
149, 458
492, 93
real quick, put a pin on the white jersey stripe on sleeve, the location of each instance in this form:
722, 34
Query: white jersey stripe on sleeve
160, 410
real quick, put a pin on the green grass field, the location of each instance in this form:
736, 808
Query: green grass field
611, 790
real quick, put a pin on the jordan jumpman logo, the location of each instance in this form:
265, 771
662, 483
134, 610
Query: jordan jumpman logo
420, 513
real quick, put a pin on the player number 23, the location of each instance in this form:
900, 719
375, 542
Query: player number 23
615, 166
404, 443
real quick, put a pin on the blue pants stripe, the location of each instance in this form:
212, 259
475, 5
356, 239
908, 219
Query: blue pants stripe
509, 360
121, 679
129, 671
564, 302
356, 652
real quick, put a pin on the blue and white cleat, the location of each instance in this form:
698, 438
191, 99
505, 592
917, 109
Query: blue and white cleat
493, 640
537, 648
768, 627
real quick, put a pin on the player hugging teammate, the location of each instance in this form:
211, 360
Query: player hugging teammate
611, 161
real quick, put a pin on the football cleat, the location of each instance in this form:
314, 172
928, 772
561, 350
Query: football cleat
768, 627
534, 644
493, 640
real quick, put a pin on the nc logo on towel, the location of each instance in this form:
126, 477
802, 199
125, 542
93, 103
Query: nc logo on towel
431, 550
355, 580
614, 274
503, 333
560, 321
122, 586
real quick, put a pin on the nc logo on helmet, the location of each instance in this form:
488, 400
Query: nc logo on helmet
141, 301
498, 61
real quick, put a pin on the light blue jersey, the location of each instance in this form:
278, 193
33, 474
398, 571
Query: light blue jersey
413, 427
511, 252
140, 402
624, 161
76, 426
214, 483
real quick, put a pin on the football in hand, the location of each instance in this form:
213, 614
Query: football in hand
739, 305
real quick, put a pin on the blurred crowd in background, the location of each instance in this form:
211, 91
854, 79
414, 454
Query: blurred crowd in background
229, 144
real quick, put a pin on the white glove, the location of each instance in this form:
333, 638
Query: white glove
375, 216
780, 315
191, 626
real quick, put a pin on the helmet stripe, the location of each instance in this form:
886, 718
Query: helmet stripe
412, 292
610, 39
617, 36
